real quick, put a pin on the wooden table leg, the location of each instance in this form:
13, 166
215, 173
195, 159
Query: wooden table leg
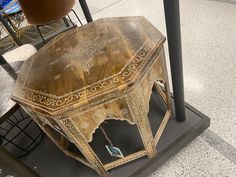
137, 106
71, 131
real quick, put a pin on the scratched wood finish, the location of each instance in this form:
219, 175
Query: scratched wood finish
100, 71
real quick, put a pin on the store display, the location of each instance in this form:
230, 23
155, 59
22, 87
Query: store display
101, 71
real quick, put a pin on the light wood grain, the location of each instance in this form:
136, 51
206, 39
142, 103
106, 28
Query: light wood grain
100, 71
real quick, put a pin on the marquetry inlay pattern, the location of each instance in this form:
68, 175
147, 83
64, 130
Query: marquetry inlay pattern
92, 74
51, 102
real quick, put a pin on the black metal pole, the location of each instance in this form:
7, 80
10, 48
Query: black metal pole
11, 32
7, 67
66, 22
172, 17
86, 11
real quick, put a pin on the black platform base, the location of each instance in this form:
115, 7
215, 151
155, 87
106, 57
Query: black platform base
47, 160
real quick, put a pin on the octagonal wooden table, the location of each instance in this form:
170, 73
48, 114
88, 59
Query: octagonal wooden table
103, 70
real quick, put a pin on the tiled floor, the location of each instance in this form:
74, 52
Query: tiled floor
209, 61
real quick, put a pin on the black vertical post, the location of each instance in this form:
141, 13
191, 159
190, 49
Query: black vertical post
86, 11
7, 67
172, 17
66, 22
11, 32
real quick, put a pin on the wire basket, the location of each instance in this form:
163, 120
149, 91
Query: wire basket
19, 134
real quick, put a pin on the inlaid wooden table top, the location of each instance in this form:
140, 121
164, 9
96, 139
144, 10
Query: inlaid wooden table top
87, 65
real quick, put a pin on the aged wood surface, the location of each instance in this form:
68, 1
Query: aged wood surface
83, 65
103, 70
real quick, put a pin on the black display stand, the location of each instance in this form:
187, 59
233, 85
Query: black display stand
48, 160
12, 167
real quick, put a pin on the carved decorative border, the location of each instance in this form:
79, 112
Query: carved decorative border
52, 101
51, 104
